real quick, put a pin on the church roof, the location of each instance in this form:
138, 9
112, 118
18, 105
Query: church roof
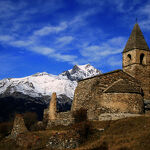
109, 73
136, 40
123, 86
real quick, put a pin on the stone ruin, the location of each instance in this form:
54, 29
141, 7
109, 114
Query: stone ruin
19, 134
56, 118
18, 126
52, 108
59, 140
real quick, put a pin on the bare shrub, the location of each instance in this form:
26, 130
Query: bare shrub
81, 125
30, 119
83, 129
80, 115
5, 128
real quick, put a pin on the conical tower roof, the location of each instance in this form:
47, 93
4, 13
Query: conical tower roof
136, 40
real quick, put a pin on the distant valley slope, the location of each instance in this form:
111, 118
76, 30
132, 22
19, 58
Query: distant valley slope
32, 93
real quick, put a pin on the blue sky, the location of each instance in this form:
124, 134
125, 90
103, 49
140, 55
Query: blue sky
53, 35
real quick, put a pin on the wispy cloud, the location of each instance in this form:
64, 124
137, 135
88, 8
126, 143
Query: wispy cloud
64, 57
50, 29
114, 61
6, 38
144, 14
77, 37
122, 6
64, 40
110, 47
52, 53
20, 43
42, 50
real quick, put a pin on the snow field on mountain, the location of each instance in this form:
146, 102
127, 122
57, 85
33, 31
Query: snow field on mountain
44, 84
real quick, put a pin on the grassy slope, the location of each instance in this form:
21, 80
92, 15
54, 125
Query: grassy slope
128, 134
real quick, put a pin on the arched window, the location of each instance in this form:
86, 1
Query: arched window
129, 56
141, 58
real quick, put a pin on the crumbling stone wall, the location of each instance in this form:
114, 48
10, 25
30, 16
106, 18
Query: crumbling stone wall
62, 118
52, 107
56, 118
19, 126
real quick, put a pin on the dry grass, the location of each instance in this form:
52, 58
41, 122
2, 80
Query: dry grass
124, 134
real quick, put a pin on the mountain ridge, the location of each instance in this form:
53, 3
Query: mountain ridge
33, 93
44, 84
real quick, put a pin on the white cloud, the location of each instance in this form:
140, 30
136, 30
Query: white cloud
6, 38
117, 41
65, 57
114, 61
145, 10
9, 8
21, 43
52, 53
64, 40
111, 47
50, 29
144, 13
42, 50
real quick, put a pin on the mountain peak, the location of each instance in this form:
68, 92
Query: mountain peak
79, 72
43, 84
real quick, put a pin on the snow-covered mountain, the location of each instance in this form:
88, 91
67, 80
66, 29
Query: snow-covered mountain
44, 84
32, 93
80, 72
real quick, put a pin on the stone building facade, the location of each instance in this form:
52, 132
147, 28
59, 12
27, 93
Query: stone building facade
119, 91
111, 92
136, 60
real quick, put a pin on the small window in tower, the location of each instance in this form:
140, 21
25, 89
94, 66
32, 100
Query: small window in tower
129, 58
141, 58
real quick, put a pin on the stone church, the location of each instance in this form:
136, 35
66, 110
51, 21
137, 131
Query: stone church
112, 95
119, 91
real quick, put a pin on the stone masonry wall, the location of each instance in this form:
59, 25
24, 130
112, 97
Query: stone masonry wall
122, 102
139, 71
62, 118
56, 118
18, 126
52, 107
88, 93
143, 75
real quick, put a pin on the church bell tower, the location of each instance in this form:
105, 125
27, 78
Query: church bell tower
136, 59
